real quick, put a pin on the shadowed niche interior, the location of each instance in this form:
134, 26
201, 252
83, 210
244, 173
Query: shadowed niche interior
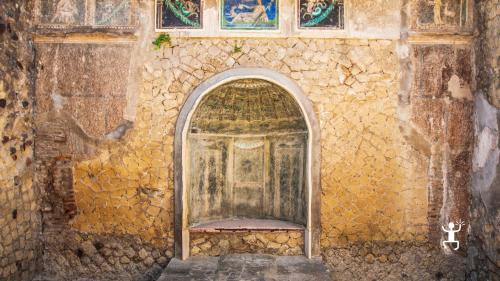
247, 145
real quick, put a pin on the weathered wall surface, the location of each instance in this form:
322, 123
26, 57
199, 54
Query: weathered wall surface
435, 105
19, 220
82, 89
484, 258
395, 118
353, 175
441, 103
488, 50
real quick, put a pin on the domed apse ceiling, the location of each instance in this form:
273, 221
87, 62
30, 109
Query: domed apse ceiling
249, 106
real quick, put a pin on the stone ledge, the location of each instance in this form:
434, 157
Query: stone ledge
440, 38
231, 225
84, 37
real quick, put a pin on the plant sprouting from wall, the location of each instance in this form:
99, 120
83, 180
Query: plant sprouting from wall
236, 49
163, 38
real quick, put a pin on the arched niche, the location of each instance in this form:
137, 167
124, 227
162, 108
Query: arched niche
247, 146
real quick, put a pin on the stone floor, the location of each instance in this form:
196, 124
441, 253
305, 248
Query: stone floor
246, 267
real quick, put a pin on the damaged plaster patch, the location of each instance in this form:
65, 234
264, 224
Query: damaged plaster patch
457, 90
120, 131
58, 101
403, 51
486, 150
486, 146
417, 140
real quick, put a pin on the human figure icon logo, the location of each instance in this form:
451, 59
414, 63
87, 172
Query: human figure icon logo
451, 233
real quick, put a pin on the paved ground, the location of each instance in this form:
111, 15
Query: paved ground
246, 267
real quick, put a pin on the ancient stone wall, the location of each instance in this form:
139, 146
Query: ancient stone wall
393, 261
396, 136
355, 80
484, 258
19, 219
441, 101
71, 255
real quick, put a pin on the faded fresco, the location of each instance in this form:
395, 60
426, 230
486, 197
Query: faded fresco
67, 12
253, 14
321, 13
179, 14
441, 13
113, 12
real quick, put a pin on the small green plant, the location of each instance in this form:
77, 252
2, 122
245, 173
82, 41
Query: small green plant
236, 49
161, 39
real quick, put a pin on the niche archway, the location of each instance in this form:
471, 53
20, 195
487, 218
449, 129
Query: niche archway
247, 146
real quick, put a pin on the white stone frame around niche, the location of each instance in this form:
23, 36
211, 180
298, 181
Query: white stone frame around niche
312, 233
288, 24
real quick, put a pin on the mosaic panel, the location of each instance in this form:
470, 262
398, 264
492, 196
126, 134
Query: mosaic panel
250, 14
113, 12
64, 12
328, 14
179, 13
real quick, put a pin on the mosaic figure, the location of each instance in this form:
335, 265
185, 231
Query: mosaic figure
65, 12
179, 13
250, 14
321, 13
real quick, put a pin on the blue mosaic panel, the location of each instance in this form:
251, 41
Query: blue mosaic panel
250, 14
322, 14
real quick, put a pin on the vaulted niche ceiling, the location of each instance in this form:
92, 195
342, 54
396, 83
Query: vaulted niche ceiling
247, 155
248, 106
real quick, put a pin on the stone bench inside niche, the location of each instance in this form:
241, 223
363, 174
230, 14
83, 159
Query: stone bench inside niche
262, 236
